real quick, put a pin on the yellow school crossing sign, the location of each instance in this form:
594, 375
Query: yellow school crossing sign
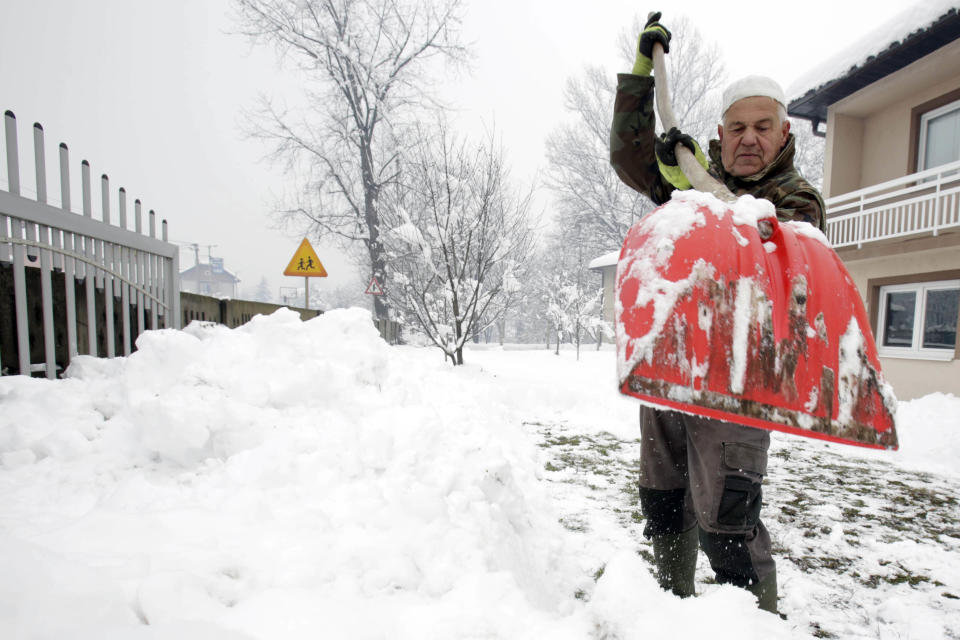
305, 263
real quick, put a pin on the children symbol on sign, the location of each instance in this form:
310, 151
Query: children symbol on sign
309, 266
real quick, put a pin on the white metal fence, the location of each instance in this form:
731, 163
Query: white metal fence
107, 263
924, 202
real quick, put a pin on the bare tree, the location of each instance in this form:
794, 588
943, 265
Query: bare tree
364, 64
585, 188
587, 192
460, 239
696, 75
810, 152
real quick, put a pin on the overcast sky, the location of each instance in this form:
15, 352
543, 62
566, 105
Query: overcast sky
151, 93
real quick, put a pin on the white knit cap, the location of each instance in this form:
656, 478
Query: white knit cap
752, 86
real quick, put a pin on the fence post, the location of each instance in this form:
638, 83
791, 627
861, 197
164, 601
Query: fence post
141, 300
170, 279
89, 271
107, 257
69, 264
152, 273
19, 253
125, 255
46, 257
13, 161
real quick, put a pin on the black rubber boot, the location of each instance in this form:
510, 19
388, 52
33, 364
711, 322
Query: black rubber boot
675, 557
766, 592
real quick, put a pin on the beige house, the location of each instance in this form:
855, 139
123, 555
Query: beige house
892, 187
891, 107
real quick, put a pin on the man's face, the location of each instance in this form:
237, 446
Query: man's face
751, 135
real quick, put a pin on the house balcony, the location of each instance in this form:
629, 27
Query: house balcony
920, 204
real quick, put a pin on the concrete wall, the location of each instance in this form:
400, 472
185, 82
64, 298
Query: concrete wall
842, 166
9, 352
231, 313
234, 313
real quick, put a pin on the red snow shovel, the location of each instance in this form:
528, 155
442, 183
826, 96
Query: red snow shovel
724, 312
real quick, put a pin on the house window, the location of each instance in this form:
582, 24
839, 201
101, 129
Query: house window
919, 320
939, 136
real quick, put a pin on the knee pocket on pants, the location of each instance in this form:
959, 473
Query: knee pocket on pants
663, 510
741, 456
740, 503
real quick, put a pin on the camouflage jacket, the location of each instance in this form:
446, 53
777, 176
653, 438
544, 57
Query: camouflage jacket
632, 140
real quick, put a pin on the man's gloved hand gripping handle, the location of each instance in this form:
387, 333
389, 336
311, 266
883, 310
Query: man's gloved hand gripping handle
652, 32
665, 150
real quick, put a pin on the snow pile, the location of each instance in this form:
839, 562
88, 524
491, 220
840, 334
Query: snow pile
296, 479
285, 479
929, 432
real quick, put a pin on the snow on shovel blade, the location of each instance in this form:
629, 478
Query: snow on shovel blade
715, 321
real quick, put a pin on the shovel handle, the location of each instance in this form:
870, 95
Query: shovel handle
696, 174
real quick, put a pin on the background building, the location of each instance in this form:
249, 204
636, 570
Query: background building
891, 104
209, 279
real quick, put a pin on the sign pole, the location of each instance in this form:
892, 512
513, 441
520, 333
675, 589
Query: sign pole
305, 263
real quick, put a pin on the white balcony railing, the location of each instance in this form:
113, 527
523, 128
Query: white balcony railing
921, 203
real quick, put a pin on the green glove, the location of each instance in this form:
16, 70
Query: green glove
665, 150
652, 32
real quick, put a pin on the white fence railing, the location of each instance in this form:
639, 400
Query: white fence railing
103, 264
927, 202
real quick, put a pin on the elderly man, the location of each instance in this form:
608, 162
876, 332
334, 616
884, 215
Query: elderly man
700, 479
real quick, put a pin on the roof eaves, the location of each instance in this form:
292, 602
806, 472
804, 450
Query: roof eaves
814, 103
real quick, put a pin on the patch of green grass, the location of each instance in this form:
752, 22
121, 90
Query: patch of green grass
811, 563
907, 578
819, 632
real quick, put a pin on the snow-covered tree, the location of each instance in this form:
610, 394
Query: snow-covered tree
341, 297
262, 291
363, 65
460, 238
571, 308
572, 294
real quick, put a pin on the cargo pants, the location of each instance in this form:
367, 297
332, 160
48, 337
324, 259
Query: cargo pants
696, 471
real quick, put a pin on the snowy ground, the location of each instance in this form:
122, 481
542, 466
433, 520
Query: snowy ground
305, 480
